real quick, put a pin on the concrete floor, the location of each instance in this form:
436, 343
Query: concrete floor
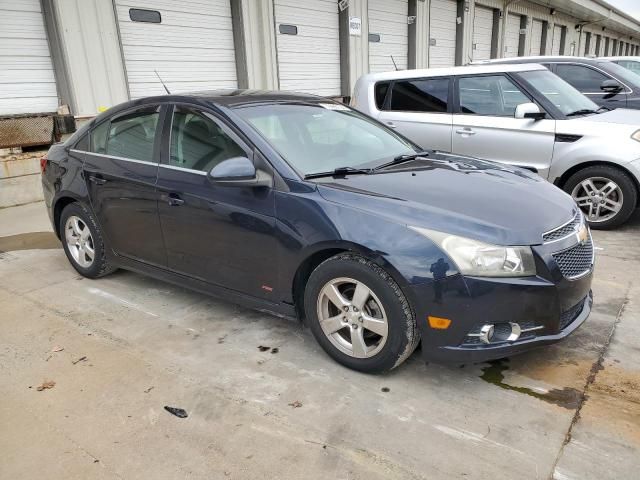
571, 411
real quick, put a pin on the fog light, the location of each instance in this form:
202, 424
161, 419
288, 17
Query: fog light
486, 333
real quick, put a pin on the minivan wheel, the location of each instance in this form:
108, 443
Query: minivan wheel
605, 194
82, 241
359, 315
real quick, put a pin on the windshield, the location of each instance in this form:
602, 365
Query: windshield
566, 98
320, 137
623, 74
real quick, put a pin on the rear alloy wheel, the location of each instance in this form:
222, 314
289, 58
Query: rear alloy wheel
359, 315
606, 195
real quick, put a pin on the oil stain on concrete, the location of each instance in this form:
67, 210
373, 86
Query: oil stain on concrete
569, 398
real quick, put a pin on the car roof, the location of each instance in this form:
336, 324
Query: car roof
443, 72
621, 57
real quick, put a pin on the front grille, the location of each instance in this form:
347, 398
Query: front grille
570, 315
575, 261
564, 230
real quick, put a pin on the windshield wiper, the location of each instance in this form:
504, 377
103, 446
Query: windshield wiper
339, 172
402, 159
584, 111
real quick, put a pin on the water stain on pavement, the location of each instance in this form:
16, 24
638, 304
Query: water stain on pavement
29, 241
566, 397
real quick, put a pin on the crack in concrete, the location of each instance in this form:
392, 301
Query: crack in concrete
593, 372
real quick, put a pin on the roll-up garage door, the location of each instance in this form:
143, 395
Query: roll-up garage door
27, 82
189, 43
442, 33
512, 36
555, 41
388, 35
308, 46
482, 33
536, 37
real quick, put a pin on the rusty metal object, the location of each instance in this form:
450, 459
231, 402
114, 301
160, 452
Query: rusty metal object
26, 130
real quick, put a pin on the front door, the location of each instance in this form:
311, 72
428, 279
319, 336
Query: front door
587, 80
121, 169
223, 235
419, 109
484, 125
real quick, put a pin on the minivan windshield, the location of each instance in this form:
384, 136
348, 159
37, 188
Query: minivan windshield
566, 98
321, 137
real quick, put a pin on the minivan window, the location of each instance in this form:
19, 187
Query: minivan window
493, 95
420, 95
381, 89
132, 135
585, 79
199, 143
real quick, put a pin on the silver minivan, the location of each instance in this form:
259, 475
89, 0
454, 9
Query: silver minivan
523, 115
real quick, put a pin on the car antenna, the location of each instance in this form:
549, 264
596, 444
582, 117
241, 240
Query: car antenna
165, 87
394, 63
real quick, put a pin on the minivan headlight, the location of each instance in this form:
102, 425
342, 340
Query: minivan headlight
480, 259
636, 135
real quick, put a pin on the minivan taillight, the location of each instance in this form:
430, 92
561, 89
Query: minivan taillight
43, 164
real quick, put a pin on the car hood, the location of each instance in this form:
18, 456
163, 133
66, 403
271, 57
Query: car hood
624, 116
459, 195
619, 123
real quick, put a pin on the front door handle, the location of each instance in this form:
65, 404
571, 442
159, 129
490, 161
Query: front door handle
97, 180
465, 131
174, 200
391, 125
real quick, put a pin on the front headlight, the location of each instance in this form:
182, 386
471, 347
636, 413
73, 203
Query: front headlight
636, 135
483, 259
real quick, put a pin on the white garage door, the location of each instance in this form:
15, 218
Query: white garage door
482, 33
191, 48
390, 31
27, 82
442, 33
308, 46
555, 41
512, 36
536, 37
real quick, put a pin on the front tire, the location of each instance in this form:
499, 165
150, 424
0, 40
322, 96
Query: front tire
82, 241
605, 194
359, 315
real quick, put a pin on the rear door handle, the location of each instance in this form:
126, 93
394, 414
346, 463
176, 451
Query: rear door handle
174, 200
465, 131
97, 180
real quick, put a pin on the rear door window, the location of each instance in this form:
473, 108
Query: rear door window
98, 138
430, 95
132, 135
583, 78
381, 90
493, 95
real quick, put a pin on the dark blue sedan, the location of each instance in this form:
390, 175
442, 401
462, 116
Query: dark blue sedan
303, 207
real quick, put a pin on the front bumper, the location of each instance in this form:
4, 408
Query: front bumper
472, 301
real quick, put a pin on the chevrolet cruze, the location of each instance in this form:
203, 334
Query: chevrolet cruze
303, 207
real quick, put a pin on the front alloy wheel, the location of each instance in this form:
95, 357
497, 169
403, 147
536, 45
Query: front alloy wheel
606, 194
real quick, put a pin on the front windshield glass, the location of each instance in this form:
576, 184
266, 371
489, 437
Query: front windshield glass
566, 98
320, 137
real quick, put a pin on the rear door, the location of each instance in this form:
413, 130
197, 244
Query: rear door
484, 125
224, 235
121, 169
587, 80
420, 109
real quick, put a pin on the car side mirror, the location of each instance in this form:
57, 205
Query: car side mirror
529, 110
239, 172
610, 86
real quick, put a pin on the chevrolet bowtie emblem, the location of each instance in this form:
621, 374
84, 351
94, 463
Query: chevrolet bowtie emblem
582, 234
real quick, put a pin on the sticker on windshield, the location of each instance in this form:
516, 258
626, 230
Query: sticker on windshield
335, 106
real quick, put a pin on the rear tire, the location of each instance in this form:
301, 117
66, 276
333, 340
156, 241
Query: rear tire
374, 328
83, 242
606, 195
